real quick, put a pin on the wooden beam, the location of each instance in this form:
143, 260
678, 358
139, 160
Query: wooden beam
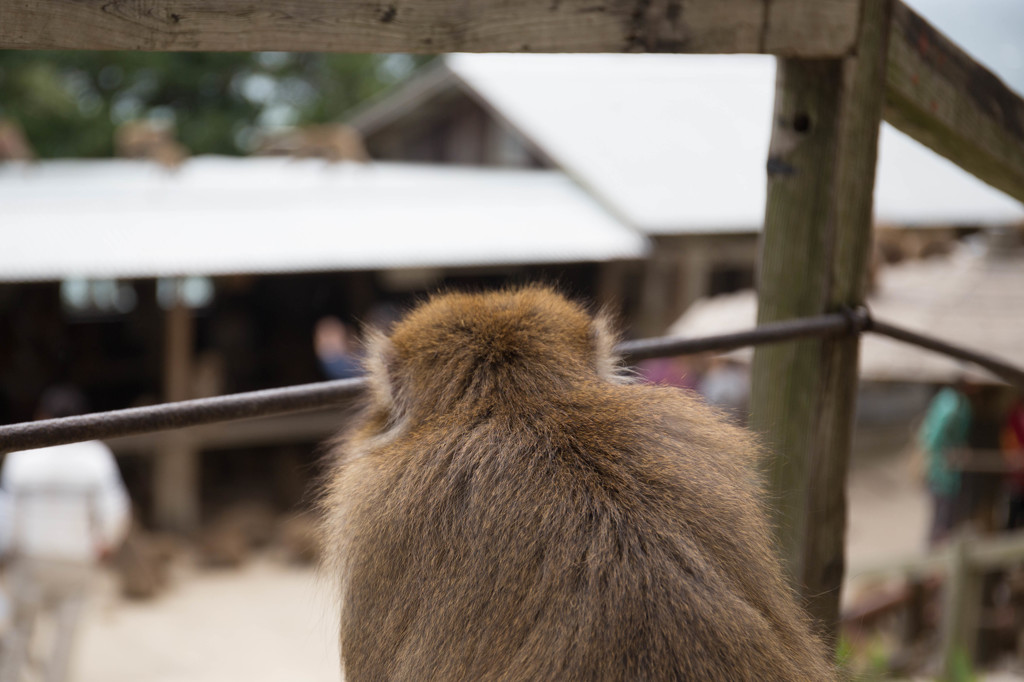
997, 552
807, 28
961, 610
987, 553
814, 259
176, 466
944, 99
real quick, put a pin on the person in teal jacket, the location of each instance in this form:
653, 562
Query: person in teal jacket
945, 429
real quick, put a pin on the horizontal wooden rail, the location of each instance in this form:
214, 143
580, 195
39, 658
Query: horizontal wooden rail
807, 28
911, 567
983, 553
944, 99
962, 563
935, 92
999, 551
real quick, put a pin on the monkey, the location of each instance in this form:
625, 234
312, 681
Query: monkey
149, 140
511, 505
331, 141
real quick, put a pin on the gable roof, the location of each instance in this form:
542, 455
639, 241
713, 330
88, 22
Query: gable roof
119, 218
678, 143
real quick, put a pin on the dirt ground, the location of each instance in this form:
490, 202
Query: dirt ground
263, 623
270, 623
889, 515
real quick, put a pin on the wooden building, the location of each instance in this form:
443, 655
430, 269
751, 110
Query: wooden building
140, 284
620, 125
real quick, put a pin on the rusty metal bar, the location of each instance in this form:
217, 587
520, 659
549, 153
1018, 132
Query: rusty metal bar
1013, 375
835, 324
102, 425
273, 401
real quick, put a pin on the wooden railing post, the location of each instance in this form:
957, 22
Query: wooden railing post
176, 461
961, 606
814, 258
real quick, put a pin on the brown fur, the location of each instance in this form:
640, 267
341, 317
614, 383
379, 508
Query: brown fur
508, 510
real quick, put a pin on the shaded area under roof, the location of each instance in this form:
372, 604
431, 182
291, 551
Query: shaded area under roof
219, 215
678, 143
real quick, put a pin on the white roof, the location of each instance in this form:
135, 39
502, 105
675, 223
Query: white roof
219, 215
678, 143
968, 299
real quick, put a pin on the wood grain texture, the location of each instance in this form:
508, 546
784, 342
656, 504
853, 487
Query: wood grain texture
814, 256
961, 609
810, 28
796, 28
944, 99
792, 280
175, 472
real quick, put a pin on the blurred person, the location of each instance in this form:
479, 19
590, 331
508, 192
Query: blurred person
68, 510
945, 429
1012, 445
673, 371
726, 384
335, 348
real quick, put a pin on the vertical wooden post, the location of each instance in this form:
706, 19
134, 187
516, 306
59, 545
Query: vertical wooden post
611, 282
658, 279
814, 259
176, 466
917, 602
697, 261
961, 605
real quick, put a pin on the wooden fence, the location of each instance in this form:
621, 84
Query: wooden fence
843, 66
962, 564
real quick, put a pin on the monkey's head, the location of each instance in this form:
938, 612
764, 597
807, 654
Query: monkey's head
479, 351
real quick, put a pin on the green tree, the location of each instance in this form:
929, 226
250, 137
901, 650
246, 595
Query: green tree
69, 103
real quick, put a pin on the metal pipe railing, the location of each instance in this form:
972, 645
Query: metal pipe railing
267, 402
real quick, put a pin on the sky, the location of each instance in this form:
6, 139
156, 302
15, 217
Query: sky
992, 31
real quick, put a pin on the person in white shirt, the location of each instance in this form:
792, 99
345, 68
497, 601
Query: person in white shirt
67, 509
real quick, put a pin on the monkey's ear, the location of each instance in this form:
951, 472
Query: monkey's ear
379, 364
609, 364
